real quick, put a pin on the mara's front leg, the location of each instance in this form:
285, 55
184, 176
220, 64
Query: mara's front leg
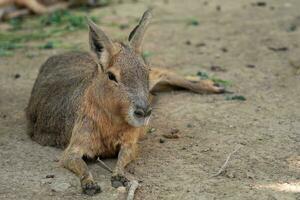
72, 157
72, 160
127, 153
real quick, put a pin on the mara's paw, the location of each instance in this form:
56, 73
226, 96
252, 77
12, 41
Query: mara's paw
213, 87
218, 88
119, 181
90, 187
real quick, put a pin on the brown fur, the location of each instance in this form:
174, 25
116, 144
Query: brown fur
84, 102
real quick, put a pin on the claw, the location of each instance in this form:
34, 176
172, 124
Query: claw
90, 188
119, 181
221, 89
216, 84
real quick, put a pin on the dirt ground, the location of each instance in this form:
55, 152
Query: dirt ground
259, 50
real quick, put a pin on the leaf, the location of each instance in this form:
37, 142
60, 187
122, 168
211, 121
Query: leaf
193, 22
48, 45
236, 97
222, 82
4, 52
29, 29
16, 24
202, 75
151, 130
147, 54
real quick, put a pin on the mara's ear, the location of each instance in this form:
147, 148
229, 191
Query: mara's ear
137, 34
100, 43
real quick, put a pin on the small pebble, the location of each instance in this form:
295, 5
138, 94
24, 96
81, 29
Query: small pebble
279, 48
161, 140
50, 176
174, 130
224, 49
206, 150
250, 175
131, 170
16, 76
123, 26
189, 126
188, 42
173, 136
218, 8
260, 3
230, 174
216, 68
200, 44
250, 66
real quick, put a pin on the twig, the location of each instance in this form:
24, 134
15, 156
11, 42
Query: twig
105, 166
226, 162
133, 185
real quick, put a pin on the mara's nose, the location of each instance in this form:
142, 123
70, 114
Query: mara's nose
143, 112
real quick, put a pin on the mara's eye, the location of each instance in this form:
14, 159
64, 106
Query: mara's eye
111, 76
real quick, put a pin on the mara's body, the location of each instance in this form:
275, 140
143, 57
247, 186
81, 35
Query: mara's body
57, 96
97, 104
62, 101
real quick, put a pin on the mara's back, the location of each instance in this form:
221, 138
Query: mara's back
56, 96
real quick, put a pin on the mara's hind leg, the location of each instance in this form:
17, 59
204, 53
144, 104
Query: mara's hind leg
161, 80
37, 132
40, 131
32, 5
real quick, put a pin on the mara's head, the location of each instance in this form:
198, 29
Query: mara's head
122, 75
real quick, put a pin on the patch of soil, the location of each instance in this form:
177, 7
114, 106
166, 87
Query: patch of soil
266, 125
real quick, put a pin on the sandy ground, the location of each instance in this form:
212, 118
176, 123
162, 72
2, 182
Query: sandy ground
266, 126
